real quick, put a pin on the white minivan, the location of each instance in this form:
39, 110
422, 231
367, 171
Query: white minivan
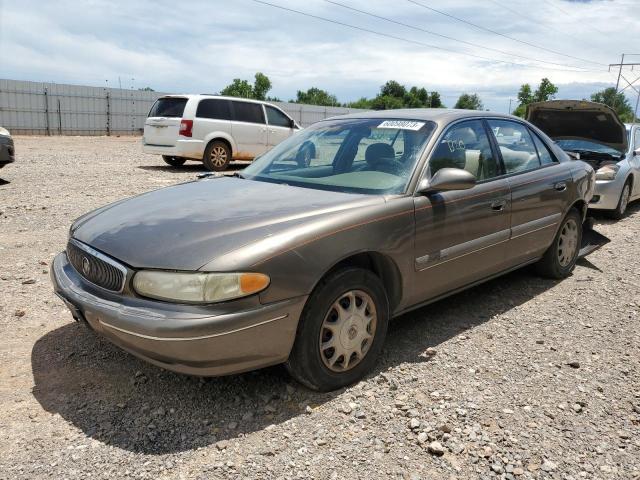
213, 129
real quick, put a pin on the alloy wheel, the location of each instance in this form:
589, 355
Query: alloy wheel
624, 199
218, 156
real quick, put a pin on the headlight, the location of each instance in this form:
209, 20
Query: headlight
4, 132
608, 172
198, 287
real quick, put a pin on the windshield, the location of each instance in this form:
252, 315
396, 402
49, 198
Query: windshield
374, 156
586, 146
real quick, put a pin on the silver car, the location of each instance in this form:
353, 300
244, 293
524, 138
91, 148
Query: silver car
592, 132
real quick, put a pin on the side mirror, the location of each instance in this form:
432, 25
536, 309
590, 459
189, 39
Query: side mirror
292, 123
636, 152
447, 179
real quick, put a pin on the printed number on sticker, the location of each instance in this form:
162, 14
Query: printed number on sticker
402, 124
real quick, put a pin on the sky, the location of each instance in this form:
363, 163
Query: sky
199, 46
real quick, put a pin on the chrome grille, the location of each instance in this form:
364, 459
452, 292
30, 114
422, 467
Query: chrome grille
98, 271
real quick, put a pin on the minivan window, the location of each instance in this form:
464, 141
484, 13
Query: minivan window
277, 118
516, 146
637, 141
248, 112
216, 109
168, 107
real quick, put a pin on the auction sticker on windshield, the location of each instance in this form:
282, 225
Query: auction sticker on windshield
402, 124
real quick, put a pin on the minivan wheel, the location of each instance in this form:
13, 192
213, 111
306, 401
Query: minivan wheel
560, 258
217, 156
623, 203
173, 161
341, 330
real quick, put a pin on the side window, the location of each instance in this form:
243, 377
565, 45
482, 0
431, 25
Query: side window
546, 157
247, 112
516, 145
637, 140
466, 145
215, 109
277, 118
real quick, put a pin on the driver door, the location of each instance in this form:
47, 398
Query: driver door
461, 236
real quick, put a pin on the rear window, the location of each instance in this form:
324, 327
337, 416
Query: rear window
248, 112
214, 108
168, 107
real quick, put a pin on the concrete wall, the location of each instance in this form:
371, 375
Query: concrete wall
35, 108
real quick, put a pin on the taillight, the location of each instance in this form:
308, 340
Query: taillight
185, 128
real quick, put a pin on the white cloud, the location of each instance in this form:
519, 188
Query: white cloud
201, 45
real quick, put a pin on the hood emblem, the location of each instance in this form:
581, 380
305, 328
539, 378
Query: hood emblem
86, 266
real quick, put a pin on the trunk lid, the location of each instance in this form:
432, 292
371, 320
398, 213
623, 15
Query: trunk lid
581, 121
163, 123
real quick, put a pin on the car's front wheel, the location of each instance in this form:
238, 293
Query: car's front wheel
341, 330
623, 202
560, 258
173, 161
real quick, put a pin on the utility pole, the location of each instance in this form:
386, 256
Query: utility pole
622, 77
509, 112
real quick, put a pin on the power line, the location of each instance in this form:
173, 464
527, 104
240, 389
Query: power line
502, 34
386, 19
415, 42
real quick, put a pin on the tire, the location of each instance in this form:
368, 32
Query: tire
560, 258
173, 161
217, 156
309, 362
623, 202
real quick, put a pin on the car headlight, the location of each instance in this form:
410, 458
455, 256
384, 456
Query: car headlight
608, 172
4, 132
198, 287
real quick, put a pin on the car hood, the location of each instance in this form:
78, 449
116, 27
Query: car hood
185, 226
579, 120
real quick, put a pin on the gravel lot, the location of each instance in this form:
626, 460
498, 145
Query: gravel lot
519, 378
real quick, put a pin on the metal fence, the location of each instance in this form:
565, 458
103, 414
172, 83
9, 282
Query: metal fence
35, 108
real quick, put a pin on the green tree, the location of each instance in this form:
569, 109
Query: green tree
146, 89
261, 86
387, 102
617, 101
393, 89
316, 96
546, 91
435, 101
242, 88
362, 102
469, 102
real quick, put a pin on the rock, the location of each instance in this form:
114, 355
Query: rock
548, 466
497, 468
222, 444
436, 448
346, 409
308, 410
414, 423
321, 441
31, 281
574, 364
518, 471
445, 428
576, 407
20, 313
360, 414
429, 353
232, 425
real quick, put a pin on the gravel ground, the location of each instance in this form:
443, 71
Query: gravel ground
518, 378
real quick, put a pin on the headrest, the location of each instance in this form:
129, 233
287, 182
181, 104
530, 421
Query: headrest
379, 151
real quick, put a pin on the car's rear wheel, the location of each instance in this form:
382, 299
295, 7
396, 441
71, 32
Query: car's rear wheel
560, 258
217, 156
623, 202
341, 330
173, 161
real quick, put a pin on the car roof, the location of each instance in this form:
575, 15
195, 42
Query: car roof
438, 115
211, 95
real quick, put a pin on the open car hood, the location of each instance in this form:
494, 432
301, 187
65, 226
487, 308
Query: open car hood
579, 120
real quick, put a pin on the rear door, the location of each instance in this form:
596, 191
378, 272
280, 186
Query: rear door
635, 161
249, 129
163, 123
280, 126
461, 235
541, 188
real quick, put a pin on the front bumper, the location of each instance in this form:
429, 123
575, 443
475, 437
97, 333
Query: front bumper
607, 194
7, 151
193, 149
182, 339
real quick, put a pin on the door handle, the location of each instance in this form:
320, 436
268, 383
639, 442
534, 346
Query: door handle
560, 186
498, 205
